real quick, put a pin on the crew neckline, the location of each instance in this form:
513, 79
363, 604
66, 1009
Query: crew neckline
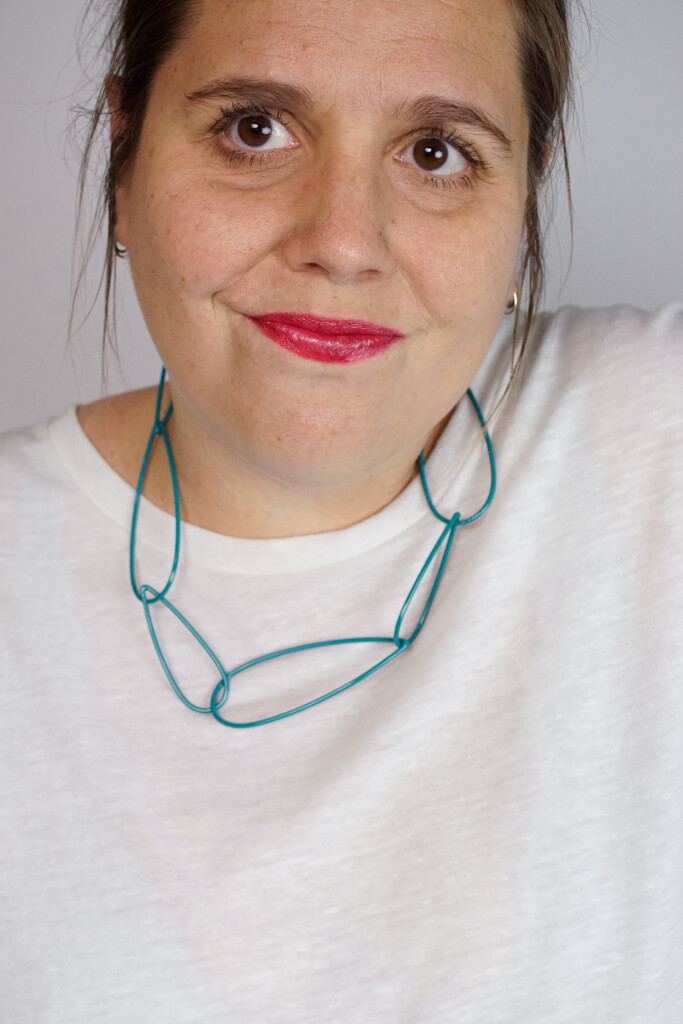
452, 459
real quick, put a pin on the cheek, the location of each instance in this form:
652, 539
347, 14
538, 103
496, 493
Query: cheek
463, 265
191, 239
201, 239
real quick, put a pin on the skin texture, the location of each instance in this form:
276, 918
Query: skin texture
344, 222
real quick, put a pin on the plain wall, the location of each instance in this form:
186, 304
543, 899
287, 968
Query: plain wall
627, 180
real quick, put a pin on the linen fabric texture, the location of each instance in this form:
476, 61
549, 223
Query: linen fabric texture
487, 831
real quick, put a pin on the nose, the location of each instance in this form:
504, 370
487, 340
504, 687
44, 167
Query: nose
338, 224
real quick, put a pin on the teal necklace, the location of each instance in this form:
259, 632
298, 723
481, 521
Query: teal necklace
398, 643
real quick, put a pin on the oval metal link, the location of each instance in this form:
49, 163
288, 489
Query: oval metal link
398, 649
149, 595
159, 428
225, 681
448, 534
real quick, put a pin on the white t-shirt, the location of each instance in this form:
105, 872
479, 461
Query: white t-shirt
489, 830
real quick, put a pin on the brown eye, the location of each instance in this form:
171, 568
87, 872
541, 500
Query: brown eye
254, 130
437, 157
431, 154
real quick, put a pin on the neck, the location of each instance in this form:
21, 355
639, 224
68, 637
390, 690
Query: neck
228, 495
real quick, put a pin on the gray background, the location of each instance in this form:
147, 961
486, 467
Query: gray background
627, 178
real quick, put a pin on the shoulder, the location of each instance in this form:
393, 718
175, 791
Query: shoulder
617, 364
618, 338
41, 464
597, 401
118, 427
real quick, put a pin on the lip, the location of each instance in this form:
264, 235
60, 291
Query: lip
326, 340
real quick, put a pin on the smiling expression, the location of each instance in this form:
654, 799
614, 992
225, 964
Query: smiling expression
350, 159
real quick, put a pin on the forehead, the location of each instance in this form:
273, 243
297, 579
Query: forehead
366, 51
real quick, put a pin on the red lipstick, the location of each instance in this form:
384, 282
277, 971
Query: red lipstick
327, 341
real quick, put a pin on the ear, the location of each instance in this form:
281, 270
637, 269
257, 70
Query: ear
112, 87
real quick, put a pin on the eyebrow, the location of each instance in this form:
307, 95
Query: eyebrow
435, 109
279, 93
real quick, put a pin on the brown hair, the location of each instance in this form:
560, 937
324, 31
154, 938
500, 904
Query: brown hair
141, 35
545, 57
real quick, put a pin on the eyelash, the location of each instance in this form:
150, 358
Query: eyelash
236, 156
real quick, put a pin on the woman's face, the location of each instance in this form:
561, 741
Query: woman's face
384, 180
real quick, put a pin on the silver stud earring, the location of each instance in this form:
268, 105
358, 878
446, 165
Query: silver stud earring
120, 251
512, 304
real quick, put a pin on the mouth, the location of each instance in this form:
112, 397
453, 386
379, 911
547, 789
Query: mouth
325, 340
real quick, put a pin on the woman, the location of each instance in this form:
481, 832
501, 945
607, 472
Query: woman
328, 208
